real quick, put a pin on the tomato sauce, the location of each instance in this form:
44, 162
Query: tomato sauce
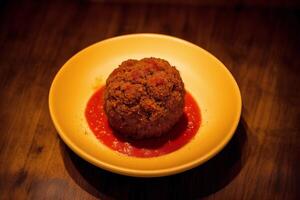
179, 135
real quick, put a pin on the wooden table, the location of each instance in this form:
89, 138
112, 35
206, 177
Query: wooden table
258, 43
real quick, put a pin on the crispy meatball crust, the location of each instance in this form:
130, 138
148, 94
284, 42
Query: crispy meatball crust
144, 98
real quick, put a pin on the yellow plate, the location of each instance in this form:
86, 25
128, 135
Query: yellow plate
211, 84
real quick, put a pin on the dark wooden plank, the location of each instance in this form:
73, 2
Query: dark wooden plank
258, 44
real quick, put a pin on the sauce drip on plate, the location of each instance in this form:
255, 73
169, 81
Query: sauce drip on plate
179, 135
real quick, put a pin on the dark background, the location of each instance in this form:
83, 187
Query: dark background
257, 40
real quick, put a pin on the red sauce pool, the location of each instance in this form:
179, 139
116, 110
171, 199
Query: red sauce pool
180, 134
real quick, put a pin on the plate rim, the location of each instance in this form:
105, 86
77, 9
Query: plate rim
137, 172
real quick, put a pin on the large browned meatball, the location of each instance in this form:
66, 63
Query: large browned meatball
144, 98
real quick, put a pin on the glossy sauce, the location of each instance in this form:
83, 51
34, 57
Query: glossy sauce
181, 133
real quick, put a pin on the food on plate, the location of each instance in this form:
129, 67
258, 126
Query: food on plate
144, 98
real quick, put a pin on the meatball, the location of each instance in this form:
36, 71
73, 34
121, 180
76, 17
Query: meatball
144, 98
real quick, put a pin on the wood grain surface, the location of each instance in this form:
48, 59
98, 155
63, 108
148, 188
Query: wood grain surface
258, 44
